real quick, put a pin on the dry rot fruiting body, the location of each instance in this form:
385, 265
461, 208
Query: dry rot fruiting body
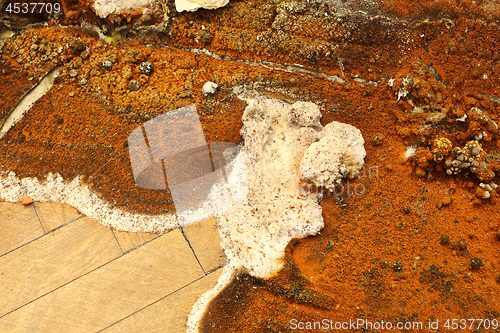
277, 137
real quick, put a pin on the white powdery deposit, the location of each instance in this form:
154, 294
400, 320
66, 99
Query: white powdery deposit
278, 145
256, 231
78, 195
284, 144
193, 5
209, 88
340, 153
104, 8
198, 309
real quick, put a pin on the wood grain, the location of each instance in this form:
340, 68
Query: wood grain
131, 240
53, 215
205, 241
170, 313
18, 225
53, 260
112, 292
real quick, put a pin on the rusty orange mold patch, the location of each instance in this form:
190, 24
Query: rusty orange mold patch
404, 241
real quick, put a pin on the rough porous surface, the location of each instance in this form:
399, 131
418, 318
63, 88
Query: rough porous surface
188, 5
275, 209
103, 8
256, 231
339, 153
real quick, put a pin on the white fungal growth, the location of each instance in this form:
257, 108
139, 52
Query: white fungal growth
326, 162
80, 196
28, 100
338, 154
304, 114
402, 91
256, 231
410, 151
104, 8
209, 88
193, 5
284, 144
280, 143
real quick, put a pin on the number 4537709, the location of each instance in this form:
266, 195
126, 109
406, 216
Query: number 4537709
33, 7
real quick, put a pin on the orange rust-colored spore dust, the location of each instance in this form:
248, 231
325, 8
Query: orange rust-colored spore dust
411, 239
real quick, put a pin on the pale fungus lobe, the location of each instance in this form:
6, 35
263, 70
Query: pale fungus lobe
147, 8
277, 139
209, 88
305, 114
193, 5
339, 153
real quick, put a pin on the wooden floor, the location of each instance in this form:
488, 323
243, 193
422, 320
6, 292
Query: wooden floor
63, 272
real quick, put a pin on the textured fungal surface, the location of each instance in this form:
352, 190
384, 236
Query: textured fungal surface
193, 5
280, 143
339, 153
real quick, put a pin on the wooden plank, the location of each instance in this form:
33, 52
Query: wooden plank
112, 292
18, 225
53, 215
131, 240
53, 260
205, 241
169, 314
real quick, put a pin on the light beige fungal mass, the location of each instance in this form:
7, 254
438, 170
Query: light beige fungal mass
284, 144
339, 153
281, 145
193, 5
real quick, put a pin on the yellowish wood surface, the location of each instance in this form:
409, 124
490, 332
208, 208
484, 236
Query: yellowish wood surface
131, 240
18, 225
53, 215
53, 260
108, 294
170, 313
205, 241
84, 277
